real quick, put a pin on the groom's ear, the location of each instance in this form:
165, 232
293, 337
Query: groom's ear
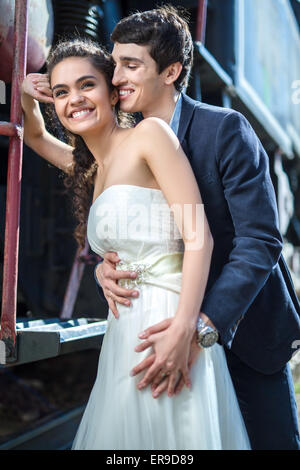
172, 72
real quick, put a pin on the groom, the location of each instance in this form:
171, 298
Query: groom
250, 298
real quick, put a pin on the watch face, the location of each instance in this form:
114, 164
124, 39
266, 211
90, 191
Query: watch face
209, 339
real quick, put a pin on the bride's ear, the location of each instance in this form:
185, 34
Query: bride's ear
114, 97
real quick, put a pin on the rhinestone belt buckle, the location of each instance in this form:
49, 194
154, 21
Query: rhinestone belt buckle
139, 268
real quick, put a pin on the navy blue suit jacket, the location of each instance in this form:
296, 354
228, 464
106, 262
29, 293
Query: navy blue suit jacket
249, 296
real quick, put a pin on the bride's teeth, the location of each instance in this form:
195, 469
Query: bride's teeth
79, 113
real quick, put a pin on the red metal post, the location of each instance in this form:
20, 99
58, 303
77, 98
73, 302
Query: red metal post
201, 21
11, 241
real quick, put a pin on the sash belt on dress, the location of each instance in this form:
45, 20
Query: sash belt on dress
162, 271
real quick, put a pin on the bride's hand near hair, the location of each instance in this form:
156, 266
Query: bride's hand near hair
37, 86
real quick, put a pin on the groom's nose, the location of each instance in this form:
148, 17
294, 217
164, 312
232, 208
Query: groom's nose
119, 77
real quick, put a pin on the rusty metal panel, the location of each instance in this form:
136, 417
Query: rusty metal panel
40, 35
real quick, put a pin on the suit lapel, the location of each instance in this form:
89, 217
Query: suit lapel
187, 111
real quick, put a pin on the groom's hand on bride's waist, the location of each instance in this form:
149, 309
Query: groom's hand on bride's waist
108, 277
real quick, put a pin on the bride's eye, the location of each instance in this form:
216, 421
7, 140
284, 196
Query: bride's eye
59, 93
87, 84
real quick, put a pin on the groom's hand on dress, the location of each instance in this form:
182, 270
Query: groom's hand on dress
108, 277
160, 384
194, 353
147, 343
174, 382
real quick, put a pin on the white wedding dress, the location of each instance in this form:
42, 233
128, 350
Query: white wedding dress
137, 223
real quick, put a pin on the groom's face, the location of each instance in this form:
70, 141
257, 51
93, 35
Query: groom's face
140, 86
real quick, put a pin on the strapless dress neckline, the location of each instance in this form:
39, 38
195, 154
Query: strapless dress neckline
125, 185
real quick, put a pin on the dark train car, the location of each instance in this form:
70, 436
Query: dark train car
247, 56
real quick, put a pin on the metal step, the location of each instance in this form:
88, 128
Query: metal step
56, 434
42, 339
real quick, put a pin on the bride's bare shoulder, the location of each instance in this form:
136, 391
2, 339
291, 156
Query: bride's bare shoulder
153, 130
152, 123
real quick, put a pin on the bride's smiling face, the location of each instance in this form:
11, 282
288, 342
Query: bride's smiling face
82, 100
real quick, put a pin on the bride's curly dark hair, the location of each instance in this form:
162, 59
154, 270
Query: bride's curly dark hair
81, 175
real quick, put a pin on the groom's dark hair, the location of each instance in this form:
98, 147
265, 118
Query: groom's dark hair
167, 35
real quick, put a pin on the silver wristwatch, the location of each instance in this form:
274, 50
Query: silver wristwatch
206, 336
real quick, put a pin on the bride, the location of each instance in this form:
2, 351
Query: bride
135, 193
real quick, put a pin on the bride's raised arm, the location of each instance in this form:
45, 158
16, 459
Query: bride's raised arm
35, 87
173, 173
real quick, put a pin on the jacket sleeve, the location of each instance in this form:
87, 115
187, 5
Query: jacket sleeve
244, 168
99, 288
